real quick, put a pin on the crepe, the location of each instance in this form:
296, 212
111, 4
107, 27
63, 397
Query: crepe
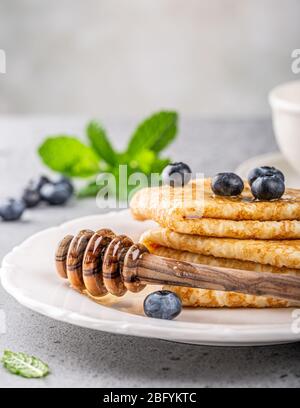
211, 227
284, 253
219, 262
217, 299
196, 200
235, 232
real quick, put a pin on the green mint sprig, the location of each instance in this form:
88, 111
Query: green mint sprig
100, 143
154, 133
69, 156
24, 365
73, 158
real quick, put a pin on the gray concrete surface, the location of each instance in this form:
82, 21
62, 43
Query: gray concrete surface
81, 357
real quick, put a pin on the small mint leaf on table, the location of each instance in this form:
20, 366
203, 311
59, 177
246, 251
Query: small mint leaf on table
100, 143
69, 156
24, 365
155, 133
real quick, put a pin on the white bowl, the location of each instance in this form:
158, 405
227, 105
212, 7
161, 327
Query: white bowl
285, 103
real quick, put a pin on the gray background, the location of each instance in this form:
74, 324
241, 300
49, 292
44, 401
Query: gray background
82, 357
130, 57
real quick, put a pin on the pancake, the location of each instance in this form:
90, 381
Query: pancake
216, 299
219, 262
192, 297
284, 253
212, 227
196, 201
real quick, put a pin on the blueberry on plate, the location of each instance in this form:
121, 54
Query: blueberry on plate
227, 184
264, 171
162, 304
11, 209
176, 174
55, 194
268, 188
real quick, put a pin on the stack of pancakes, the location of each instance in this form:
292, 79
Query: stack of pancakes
242, 233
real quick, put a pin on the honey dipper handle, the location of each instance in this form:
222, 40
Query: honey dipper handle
148, 268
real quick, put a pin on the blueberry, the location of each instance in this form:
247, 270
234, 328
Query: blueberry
176, 174
31, 197
162, 304
11, 209
227, 184
37, 183
55, 194
264, 171
65, 182
268, 188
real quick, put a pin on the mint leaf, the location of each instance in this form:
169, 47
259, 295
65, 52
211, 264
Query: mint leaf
143, 161
159, 164
100, 143
168, 136
155, 133
69, 156
24, 365
89, 190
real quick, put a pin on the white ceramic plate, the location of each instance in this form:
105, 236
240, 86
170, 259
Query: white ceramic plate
28, 274
271, 159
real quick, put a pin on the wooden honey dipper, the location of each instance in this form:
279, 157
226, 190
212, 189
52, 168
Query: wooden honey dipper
101, 263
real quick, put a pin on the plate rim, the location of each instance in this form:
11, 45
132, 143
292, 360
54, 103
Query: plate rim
222, 334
